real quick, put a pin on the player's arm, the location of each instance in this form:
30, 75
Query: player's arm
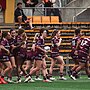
34, 41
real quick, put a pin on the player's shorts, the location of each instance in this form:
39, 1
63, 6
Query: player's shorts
4, 58
11, 55
30, 55
54, 54
82, 57
74, 57
22, 53
39, 55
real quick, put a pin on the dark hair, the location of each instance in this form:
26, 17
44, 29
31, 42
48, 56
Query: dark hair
11, 30
42, 30
77, 31
54, 33
20, 31
19, 3
4, 34
0, 30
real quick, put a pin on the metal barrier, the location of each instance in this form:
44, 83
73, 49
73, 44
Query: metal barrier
68, 14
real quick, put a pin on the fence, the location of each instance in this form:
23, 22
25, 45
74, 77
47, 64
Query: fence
69, 14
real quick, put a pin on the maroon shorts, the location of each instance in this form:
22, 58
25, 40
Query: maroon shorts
39, 55
82, 57
22, 53
4, 58
74, 57
55, 54
30, 55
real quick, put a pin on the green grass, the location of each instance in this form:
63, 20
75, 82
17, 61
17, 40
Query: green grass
81, 84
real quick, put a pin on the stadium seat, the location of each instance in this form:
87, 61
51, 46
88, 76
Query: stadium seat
36, 20
55, 20
45, 19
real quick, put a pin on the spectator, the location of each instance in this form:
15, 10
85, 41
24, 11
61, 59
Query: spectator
20, 16
55, 11
47, 3
30, 3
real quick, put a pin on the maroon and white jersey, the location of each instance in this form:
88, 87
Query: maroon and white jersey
84, 46
22, 50
3, 55
39, 54
39, 42
18, 39
74, 42
5, 43
55, 48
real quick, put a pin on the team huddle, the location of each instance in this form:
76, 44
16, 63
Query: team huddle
14, 55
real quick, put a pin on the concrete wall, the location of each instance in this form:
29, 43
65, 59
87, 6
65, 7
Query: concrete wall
84, 16
68, 14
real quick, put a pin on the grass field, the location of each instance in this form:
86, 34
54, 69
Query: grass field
81, 84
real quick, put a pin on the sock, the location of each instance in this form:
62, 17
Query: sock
50, 75
37, 76
88, 76
71, 71
9, 77
19, 77
61, 74
2, 76
44, 78
74, 73
47, 76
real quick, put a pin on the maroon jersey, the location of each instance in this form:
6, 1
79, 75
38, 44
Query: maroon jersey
23, 48
74, 42
84, 46
73, 46
84, 49
5, 43
12, 41
40, 42
55, 48
39, 54
18, 39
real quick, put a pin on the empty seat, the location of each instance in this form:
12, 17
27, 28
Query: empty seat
55, 20
45, 19
36, 20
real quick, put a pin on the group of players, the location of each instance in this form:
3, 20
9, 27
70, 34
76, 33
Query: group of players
80, 54
14, 55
